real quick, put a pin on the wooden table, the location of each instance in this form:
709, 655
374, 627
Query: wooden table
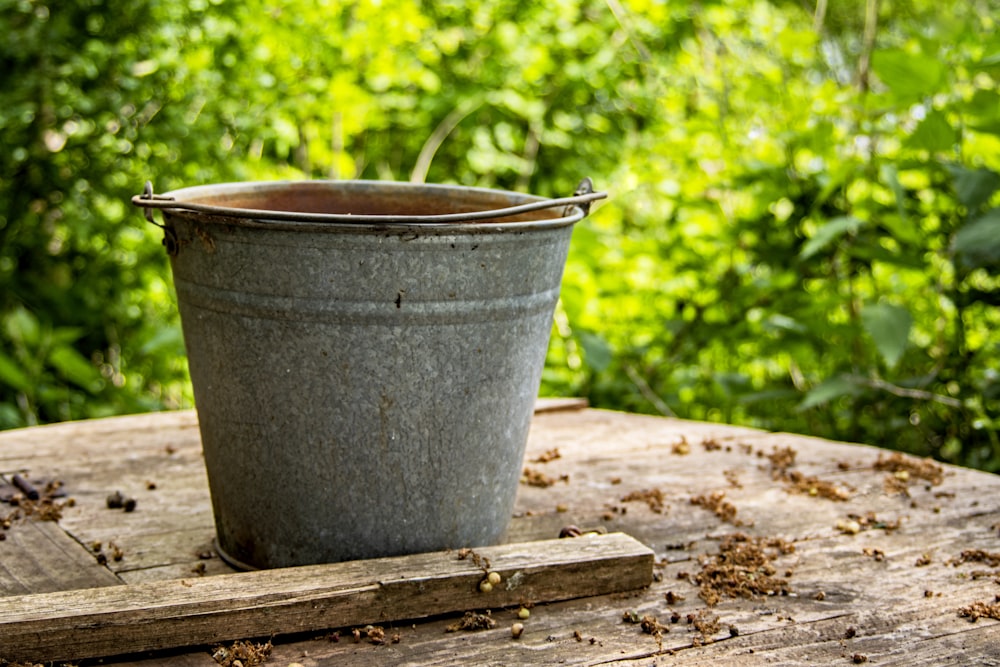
766, 549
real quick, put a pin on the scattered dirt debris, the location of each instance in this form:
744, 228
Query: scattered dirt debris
116, 501
897, 464
858, 658
38, 500
651, 626
814, 486
374, 634
550, 455
782, 458
482, 562
648, 624
717, 504
976, 556
473, 621
732, 478
876, 554
673, 598
242, 654
743, 567
711, 445
200, 569
652, 497
980, 609
681, 448
856, 523
924, 560
707, 624
540, 479
631, 616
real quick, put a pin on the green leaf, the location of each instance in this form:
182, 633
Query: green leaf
910, 76
889, 326
974, 187
901, 227
169, 340
977, 244
829, 233
934, 134
597, 353
74, 367
12, 375
22, 326
829, 390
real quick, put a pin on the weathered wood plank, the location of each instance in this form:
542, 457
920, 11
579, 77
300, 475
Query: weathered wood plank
141, 617
38, 557
602, 458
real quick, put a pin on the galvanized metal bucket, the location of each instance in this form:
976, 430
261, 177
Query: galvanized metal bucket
365, 358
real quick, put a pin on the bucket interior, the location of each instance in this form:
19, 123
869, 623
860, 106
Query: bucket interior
367, 198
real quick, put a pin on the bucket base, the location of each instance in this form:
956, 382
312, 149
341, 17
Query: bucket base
229, 560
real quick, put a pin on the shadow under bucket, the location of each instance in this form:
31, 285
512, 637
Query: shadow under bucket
365, 358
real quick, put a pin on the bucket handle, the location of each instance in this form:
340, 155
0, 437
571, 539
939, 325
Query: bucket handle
582, 198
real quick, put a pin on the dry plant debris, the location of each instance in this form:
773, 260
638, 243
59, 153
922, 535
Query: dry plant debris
856, 523
706, 623
743, 567
30, 502
242, 654
877, 554
781, 458
681, 448
976, 556
814, 486
717, 504
711, 445
652, 497
980, 609
540, 479
550, 455
473, 621
897, 464
374, 634
482, 562
117, 501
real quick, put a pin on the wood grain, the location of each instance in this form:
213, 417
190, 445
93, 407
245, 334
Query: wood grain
126, 619
900, 609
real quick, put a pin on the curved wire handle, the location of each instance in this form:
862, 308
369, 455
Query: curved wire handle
582, 198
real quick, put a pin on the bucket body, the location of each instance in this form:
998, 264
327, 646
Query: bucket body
363, 389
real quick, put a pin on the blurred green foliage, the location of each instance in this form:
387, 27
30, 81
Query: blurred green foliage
803, 231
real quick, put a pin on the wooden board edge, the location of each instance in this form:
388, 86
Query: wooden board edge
545, 405
93, 623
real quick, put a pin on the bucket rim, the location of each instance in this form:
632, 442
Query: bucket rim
189, 202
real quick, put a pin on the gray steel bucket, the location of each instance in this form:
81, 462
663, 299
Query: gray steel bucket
365, 358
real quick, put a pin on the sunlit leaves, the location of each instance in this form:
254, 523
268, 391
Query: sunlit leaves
829, 233
889, 326
910, 76
977, 244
